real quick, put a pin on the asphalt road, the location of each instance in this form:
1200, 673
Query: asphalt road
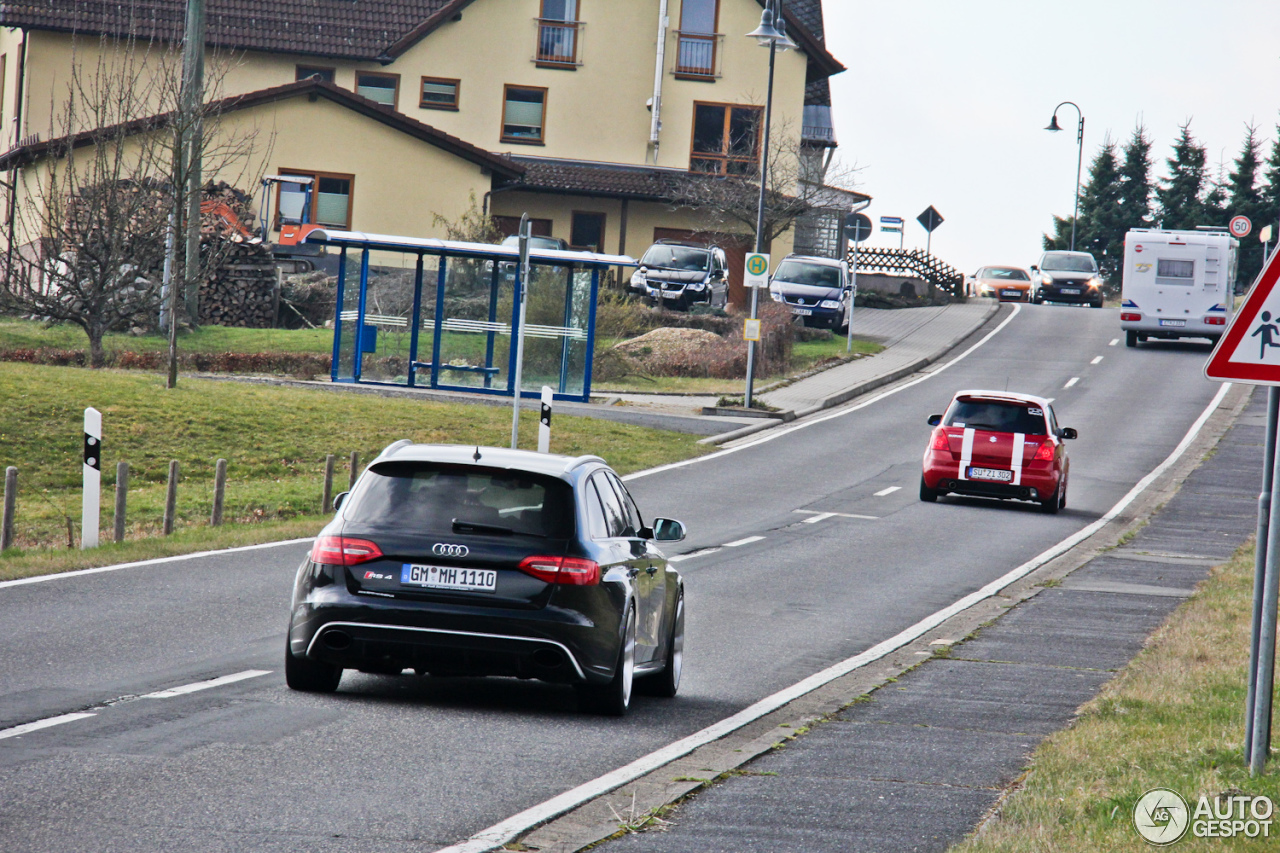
405, 764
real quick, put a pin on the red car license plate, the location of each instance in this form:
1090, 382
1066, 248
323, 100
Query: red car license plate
990, 474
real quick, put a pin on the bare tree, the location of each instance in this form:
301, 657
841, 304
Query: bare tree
799, 180
97, 202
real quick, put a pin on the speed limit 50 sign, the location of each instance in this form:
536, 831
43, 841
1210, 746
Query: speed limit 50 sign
756, 270
1240, 226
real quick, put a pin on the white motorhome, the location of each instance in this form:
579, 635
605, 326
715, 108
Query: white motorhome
1177, 284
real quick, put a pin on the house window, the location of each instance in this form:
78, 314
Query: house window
4, 61
382, 88
523, 113
510, 225
306, 72
558, 33
326, 200
697, 38
725, 139
587, 231
439, 93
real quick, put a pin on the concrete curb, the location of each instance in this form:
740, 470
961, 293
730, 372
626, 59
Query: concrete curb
858, 390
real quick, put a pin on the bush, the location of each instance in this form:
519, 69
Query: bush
299, 364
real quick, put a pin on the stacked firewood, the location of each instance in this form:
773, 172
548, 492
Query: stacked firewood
241, 287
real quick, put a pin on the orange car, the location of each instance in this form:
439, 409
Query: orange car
1008, 284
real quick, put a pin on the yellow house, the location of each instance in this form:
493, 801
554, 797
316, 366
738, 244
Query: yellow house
582, 113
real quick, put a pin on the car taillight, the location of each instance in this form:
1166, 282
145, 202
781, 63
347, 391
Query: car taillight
1130, 317
574, 571
343, 551
1215, 321
1044, 453
940, 440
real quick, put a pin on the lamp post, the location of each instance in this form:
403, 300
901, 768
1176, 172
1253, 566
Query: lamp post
1054, 126
771, 34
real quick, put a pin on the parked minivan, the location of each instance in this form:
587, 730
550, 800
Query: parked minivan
815, 289
681, 275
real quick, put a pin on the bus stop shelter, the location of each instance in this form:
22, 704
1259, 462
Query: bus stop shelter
442, 314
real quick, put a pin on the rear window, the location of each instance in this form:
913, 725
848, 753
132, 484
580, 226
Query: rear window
430, 498
798, 272
996, 416
1169, 271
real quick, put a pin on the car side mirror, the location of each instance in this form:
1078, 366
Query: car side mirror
1068, 432
934, 420
1035, 269
667, 530
339, 500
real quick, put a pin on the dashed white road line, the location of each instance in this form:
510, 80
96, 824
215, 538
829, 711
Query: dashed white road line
822, 516
18, 731
679, 557
1114, 341
888, 491
1072, 381
1096, 360
746, 541
834, 515
197, 686
500, 833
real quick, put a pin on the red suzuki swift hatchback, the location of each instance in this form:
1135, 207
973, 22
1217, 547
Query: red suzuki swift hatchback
998, 444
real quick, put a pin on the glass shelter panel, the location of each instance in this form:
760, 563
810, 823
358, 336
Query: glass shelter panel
344, 335
475, 326
387, 335
557, 314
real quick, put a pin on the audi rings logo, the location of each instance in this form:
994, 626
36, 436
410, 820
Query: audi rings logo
443, 549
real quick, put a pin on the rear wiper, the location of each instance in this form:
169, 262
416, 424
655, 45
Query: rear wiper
460, 526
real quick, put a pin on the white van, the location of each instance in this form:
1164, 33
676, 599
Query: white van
1177, 284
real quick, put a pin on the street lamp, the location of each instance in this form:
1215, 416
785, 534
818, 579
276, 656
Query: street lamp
771, 34
1054, 126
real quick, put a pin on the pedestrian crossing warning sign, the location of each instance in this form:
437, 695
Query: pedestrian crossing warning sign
1249, 349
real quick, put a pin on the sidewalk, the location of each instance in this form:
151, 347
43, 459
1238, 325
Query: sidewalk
918, 765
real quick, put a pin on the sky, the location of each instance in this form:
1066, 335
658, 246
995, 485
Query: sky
945, 103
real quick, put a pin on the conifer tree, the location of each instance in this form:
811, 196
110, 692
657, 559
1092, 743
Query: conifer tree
1181, 196
1135, 181
1245, 199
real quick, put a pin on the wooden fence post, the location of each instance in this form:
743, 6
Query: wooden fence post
355, 470
10, 507
171, 497
122, 497
326, 502
219, 492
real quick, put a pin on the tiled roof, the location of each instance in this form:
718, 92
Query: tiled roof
609, 180
349, 29
817, 93
809, 13
500, 165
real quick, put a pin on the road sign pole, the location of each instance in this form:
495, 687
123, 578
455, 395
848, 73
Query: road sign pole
848, 344
1260, 562
1265, 671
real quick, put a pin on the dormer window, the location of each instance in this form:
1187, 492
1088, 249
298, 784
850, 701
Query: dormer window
378, 87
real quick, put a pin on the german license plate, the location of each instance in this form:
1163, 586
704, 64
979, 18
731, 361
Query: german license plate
1069, 291
449, 577
1176, 323
1014, 294
990, 474
802, 312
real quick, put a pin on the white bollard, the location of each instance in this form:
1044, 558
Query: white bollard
544, 422
89, 507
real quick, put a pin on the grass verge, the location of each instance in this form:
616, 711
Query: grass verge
274, 440
1174, 718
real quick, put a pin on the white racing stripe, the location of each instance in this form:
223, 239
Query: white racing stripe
18, 731
1016, 457
500, 833
966, 452
205, 685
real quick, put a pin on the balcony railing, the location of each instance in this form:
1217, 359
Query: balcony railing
558, 42
697, 54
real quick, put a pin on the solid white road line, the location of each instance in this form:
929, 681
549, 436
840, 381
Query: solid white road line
679, 557
1114, 341
779, 432
153, 562
822, 516
1072, 381
18, 731
1096, 360
746, 541
205, 685
500, 833
836, 514
888, 491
